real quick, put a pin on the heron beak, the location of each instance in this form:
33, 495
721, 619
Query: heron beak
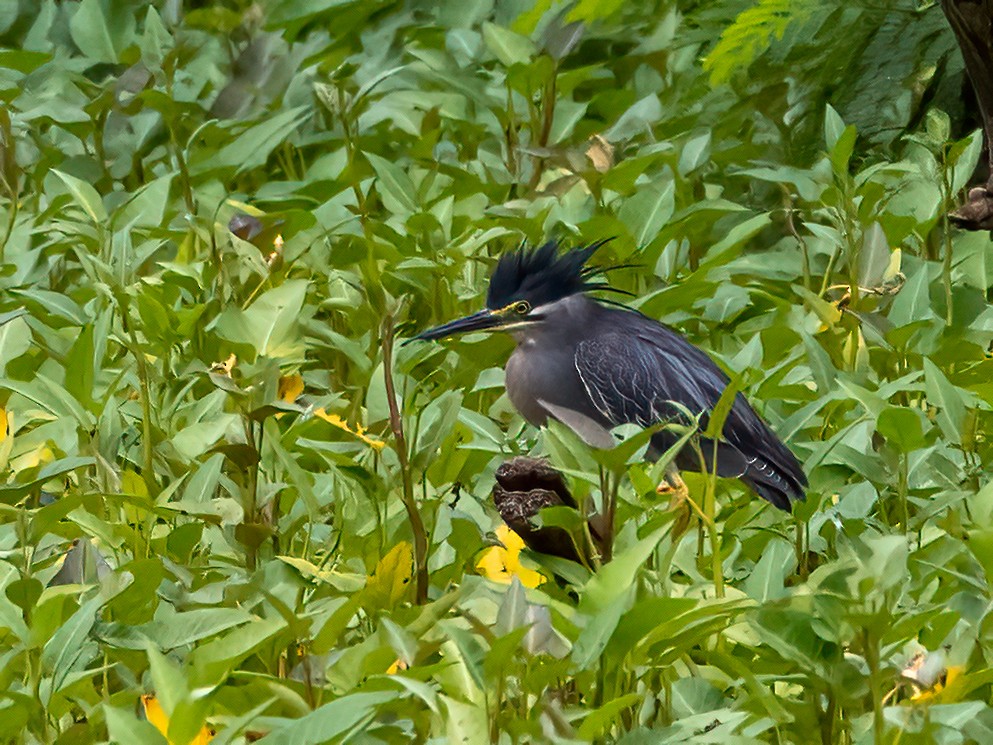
481, 321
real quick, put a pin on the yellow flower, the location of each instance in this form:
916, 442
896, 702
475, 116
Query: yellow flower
290, 387
158, 718
503, 563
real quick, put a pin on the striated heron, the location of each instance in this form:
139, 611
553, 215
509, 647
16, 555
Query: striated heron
594, 366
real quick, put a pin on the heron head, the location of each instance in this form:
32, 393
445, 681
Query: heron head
523, 282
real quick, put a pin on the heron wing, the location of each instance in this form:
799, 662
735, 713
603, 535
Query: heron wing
635, 377
632, 379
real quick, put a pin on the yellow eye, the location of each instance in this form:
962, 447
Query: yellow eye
522, 308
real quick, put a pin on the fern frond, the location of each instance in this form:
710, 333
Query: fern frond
751, 34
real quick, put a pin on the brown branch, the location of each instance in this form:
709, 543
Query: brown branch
400, 445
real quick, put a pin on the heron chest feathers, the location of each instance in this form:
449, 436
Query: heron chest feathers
542, 383
526, 382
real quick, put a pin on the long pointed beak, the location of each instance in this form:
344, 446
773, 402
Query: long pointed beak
484, 319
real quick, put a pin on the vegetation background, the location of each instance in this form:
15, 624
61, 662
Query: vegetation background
203, 500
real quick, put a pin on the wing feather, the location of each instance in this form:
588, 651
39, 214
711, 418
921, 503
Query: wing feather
635, 377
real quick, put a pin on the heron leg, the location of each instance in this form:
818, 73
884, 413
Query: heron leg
673, 484
679, 499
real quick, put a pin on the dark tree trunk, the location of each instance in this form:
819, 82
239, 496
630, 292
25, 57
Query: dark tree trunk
972, 22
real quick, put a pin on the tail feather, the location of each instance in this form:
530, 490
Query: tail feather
780, 481
780, 487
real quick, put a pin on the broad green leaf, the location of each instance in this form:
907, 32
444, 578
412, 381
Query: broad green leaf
83, 193
765, 583
647, 212
600, 719
945, 397
394, 186
102, 29
253, 146
270, 324
330, 720
613, 580
124, 726
507, 46
902, 426
216, 659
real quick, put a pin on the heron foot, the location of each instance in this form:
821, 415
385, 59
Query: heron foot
673, 485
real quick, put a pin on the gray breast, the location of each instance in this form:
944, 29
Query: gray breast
542, 382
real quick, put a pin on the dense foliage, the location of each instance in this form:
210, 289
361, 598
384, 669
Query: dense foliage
206, 500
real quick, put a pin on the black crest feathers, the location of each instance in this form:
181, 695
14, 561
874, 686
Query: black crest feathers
542, 275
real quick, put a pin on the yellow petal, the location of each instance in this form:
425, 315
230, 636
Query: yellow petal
503, 563
340, 423
510, 540
157, 717
290, 388
492, 564
396, 667
943, 690
155, 714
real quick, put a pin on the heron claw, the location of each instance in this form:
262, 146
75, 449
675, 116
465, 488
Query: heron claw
675, 487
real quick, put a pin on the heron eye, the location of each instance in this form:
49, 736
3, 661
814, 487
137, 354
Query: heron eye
522, 308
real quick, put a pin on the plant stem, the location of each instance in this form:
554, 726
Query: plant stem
147, 451
904, 478
709, 512
946, 266
871, 651
609, 511
400, 445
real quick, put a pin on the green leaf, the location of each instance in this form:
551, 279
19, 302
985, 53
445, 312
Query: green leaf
270, 324
252, 148
766, 582
84, 194
947, 400
614, 579
834, 128
594, 10
506, 45
600, 719
648, 211
102, 30
147, 207
597, 632
902, 426
216, 659
394, 185
330, 720
124, 726
15, 338
913, 302
68, 650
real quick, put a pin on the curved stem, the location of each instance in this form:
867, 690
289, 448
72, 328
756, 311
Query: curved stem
400, 445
